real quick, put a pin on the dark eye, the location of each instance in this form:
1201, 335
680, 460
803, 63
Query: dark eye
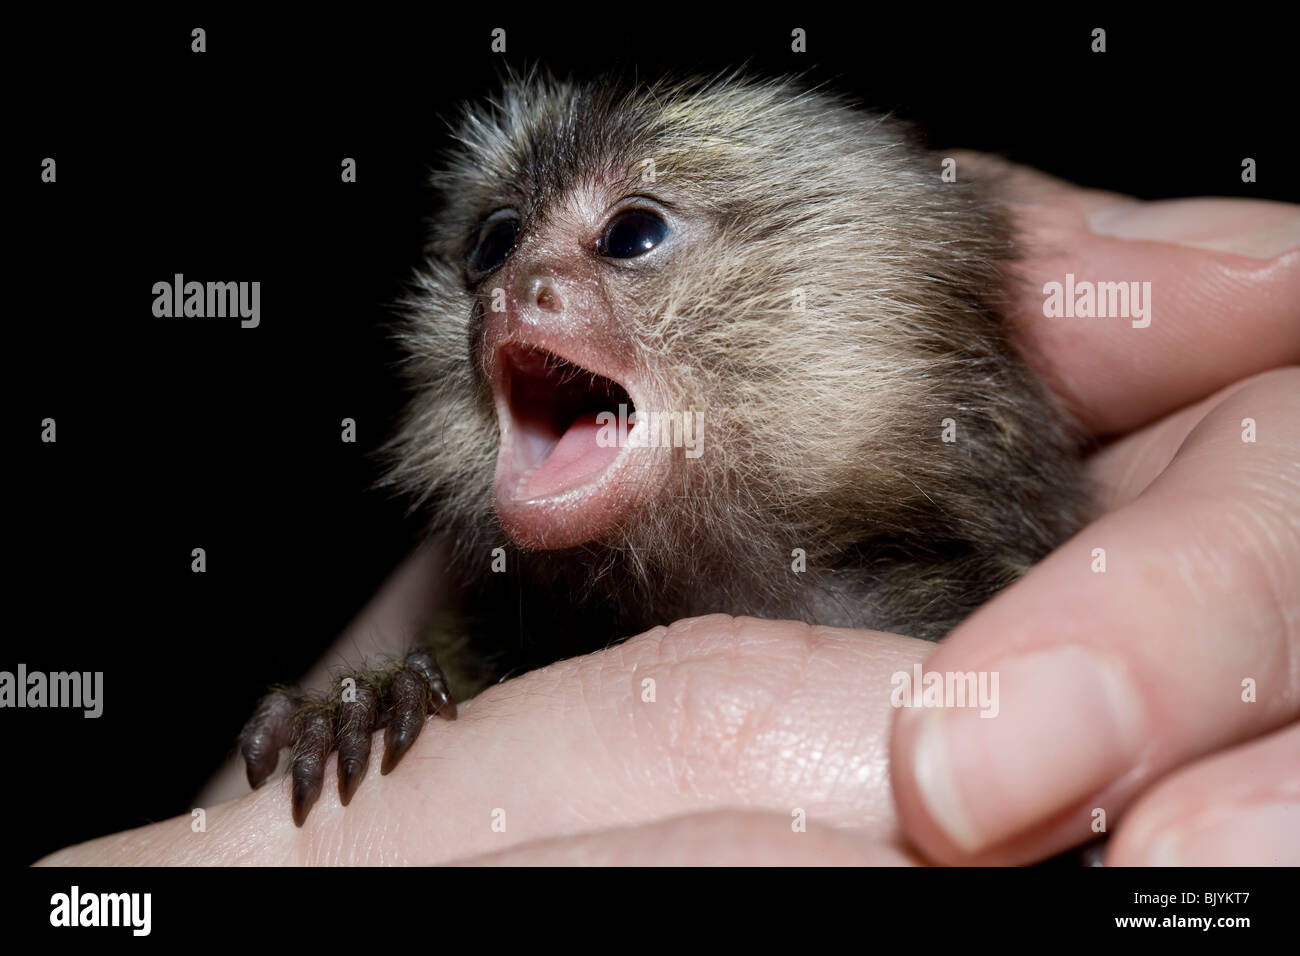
631, 233
495, 242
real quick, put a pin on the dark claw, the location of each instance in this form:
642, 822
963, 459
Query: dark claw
441, 701
396, 701
409, 698
314, 743
357, 720
267, 732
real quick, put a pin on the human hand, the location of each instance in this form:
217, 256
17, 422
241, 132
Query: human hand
753, 727
1123, 690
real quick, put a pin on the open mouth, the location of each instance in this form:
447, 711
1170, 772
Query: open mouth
555, 437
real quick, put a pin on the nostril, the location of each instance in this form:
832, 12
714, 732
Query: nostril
546, 297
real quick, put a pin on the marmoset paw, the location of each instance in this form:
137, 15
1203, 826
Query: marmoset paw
397, 698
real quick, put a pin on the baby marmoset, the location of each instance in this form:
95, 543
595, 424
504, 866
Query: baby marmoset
802, 321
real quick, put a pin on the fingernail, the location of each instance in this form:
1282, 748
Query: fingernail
1266, 834
1067, 723
1247, 227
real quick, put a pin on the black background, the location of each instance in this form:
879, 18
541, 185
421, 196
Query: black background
175, 434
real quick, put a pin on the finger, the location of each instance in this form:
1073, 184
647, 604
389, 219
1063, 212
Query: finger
708, 712
1236, 808
1109, 678
721, 838
1125, 468
1224, 290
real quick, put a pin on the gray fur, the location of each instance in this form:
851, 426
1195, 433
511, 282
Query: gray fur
823, 426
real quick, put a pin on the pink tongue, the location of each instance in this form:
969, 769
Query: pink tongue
574, 459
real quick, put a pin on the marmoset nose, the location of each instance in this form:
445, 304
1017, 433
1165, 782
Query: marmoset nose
544, 293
